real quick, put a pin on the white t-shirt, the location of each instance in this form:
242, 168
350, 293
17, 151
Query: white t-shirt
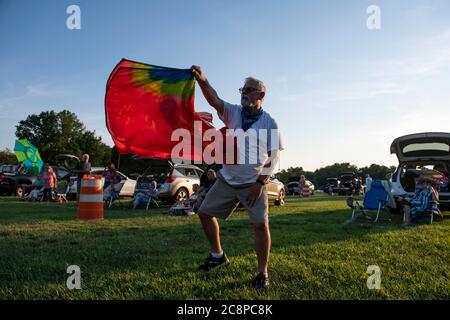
253, 156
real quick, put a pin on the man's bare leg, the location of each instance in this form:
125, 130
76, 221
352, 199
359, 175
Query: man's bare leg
262, 245
212, 232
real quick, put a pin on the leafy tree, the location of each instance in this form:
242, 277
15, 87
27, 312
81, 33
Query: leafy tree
100, 153
376, 171
293, 174
333, 171
7, 157
319, 176
62, 132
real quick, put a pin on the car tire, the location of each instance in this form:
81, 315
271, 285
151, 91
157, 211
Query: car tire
181, 192
19, 191
280, 201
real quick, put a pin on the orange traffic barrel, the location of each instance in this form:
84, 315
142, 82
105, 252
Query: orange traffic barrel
90, 203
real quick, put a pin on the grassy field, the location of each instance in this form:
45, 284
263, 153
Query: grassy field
147, 255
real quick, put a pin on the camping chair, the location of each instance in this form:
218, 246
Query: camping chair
374, 199
430, 211
39, 196
61, 193
154, 201
112, 195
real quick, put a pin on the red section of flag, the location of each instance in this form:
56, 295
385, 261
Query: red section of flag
141, 121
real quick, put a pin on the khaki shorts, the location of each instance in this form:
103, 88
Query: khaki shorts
222, 199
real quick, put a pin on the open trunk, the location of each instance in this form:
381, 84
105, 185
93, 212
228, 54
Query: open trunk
423, 154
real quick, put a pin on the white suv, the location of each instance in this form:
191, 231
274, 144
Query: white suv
422, 154
69, 161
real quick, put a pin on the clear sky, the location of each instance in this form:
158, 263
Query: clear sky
339, 91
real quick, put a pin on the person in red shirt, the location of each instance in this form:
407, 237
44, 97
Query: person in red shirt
49, 183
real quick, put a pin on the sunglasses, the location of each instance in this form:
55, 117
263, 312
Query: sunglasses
248, 90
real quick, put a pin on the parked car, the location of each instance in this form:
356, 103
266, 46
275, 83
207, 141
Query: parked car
13, 183
422, 153
128, 185
9, 168
348, 183
174, 181
276, 191
334, 183
293, 188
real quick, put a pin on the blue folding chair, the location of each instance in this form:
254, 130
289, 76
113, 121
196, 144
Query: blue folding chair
374, 199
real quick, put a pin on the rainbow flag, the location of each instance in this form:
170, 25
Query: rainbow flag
144, 104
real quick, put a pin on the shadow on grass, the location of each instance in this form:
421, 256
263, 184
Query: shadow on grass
130, 246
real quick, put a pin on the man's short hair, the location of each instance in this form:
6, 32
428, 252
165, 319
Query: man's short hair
261, 85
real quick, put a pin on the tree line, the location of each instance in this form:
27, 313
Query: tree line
319, 176
61, 132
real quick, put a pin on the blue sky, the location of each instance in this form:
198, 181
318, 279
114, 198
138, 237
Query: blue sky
339, 91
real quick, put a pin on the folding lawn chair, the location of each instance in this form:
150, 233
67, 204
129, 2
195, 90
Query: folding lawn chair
374, 199
39, 196
61, 193
430, 210
112, 195
154, 201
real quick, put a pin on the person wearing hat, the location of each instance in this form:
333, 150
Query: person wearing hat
422, 201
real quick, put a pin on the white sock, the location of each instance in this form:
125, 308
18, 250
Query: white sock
217, 255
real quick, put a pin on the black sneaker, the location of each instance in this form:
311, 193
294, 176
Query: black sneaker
213, 263
261, 281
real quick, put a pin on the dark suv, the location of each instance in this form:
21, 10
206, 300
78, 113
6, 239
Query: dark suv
348, 184
13, 183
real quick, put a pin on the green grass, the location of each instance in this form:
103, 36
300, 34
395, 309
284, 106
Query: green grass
146, 255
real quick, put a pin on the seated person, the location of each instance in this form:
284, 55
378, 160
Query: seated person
186, 207
193, 200
204, 188
111, 176
141, 198
36, 188
421, 202
111, 186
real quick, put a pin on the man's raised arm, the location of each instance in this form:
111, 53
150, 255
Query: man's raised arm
208, 91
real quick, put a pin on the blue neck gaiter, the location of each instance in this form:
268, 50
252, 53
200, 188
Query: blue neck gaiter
248, 119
